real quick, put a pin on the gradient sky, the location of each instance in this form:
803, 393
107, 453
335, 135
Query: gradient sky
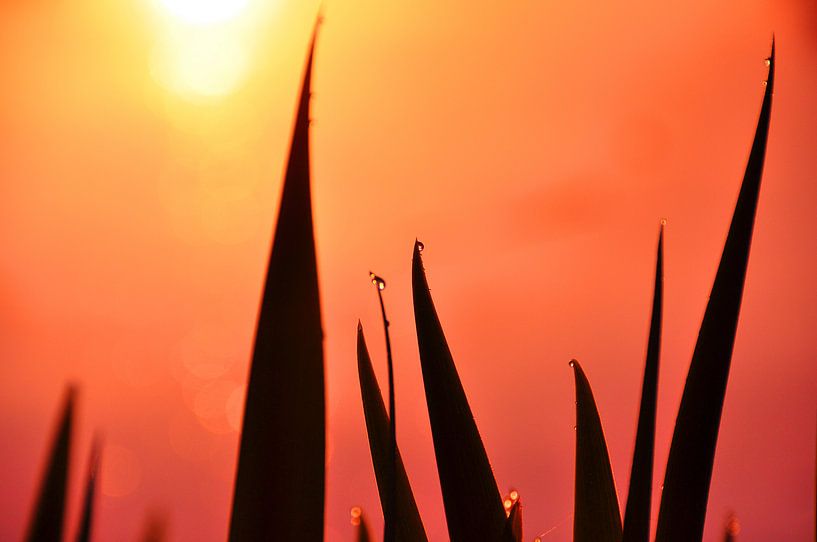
533, 147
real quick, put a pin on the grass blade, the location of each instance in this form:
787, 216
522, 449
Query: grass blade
513, 526
48, 518
639, 496
87, 517
391, 495
689, 468
155, 528
731, 529
362, 527
596, 516
473, 508
282, 452
408, 524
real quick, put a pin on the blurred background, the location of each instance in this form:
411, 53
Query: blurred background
532, 146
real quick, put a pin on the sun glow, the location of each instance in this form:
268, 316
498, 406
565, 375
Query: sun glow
204, 12
202, 46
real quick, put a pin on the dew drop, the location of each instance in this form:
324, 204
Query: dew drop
733, 526
572, 362
507, 504
377, 281
420, 246
663, 221
574, 427
356, 512
768, 61
514, 495
765, 83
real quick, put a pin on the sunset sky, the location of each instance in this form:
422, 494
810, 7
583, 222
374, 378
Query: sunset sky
533, 146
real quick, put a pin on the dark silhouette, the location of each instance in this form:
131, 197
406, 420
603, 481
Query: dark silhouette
396, 497
596, 515
48, 519
473, 508
87, 515
639, 496
282, 452
689, 467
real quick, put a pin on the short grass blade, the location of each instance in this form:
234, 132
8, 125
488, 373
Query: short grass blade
86, 521
513, 526
473, 508
639, 496
596, 515
48, 518
279, 488
407, 521
363, 532
689, 467
155, 528
731, 529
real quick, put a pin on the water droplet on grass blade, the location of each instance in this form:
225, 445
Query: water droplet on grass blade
377, 281
356, 512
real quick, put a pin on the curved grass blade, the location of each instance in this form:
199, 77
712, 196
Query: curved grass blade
473, 508
689, 468
596, 516
282, 452
639, 496
87, 517
48, 518
408, 524
391, 496
513, 526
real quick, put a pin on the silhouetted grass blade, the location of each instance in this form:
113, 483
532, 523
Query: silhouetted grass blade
408, 524
87, 516
281, 459
155, 528
596, 516
731, 529
389, 534
639, 496
513, 525
689, 468
473, 507
363, 532
48, 517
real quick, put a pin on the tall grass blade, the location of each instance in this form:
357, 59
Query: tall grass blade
596, 516
87, 518
279, 488
513, 526
639, 496
391, 495
391, 477
689, 468
48, 518
473, 508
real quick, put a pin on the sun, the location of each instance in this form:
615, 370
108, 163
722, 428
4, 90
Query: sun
204, 12
201, 50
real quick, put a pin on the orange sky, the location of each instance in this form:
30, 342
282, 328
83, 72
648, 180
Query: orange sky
532, 146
